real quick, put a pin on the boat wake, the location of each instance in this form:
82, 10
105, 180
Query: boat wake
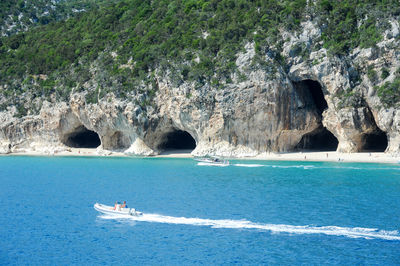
315, 167
212, 164
293, 166
351, 232
275, 166
248, 165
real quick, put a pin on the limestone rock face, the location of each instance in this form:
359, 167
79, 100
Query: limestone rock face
268, 107
256, 115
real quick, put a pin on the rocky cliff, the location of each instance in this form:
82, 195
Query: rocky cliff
312, 101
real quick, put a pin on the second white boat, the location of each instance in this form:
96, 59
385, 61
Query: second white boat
212, 161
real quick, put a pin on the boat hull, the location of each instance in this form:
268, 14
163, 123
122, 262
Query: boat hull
212, 161
110, 210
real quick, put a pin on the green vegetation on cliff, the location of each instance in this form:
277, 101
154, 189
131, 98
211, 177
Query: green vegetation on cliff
389, 93
351, 23
20, 15
193, 39
121, 44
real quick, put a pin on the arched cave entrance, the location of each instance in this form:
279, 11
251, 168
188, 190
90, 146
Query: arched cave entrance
320, 139
374, 142
315, 90
82, 138
178, 140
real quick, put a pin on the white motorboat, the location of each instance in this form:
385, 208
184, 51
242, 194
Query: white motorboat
212, 161
204, 159
116, 210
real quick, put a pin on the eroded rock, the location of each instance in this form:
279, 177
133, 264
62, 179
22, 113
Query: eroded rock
274, 108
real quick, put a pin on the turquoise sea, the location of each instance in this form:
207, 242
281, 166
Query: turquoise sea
251, 212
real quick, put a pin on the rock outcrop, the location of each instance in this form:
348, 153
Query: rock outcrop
274, 108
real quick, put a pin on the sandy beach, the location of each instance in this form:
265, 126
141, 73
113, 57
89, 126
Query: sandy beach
373, 157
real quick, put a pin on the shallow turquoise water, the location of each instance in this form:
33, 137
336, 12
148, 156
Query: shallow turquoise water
251, 212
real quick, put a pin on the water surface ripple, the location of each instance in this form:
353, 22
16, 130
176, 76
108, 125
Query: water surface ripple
250, 212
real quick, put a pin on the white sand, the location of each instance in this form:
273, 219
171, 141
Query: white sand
175, 154
374, 157
70, 152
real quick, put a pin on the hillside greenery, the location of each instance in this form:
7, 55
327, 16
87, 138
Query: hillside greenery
20, 15
123, 42
389, 93
354, 23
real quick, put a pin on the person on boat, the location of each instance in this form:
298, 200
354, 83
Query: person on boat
116, 205
124, 205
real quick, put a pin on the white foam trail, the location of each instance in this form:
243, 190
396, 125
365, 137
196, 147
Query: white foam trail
355, 232
249, 165
211, 164
306, 167
360, 168
292, 166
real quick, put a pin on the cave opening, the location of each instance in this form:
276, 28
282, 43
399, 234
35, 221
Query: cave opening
320, 139
315, 89
82, 138
374, 142
178, 140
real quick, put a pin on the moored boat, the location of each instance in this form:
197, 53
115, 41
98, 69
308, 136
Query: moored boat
204, 159
212, 161
116, 210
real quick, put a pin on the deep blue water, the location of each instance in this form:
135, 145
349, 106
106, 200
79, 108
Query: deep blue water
273, 212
